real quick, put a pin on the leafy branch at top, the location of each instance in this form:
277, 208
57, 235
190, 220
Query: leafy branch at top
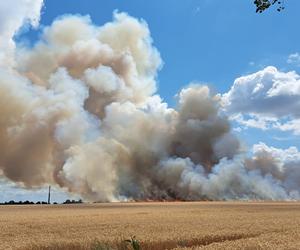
262, 5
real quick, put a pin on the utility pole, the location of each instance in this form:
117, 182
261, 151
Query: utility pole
49, 195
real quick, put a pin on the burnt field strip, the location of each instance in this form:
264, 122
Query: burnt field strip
175, 225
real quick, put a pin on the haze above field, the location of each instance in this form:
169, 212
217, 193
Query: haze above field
116, 106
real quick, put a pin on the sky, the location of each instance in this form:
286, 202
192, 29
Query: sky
207, 41
219, 43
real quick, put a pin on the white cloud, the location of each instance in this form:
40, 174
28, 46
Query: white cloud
294, 59
291, 125
266, 99
285, 156
254, 121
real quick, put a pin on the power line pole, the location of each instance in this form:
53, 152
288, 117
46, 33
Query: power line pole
49, 195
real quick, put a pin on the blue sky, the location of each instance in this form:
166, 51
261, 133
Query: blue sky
209, 41
206, 41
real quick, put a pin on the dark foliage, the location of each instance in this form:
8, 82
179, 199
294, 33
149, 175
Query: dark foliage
72, 202
262, 5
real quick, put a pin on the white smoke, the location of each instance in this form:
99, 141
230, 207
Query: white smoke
13, 15
79, 110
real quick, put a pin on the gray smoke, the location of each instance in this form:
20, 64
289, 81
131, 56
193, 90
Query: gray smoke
79, 110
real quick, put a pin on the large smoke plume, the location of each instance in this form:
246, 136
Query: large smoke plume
79, 110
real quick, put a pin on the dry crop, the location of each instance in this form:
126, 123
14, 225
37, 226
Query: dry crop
175, 225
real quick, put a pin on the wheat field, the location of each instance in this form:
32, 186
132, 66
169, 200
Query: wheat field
172, 225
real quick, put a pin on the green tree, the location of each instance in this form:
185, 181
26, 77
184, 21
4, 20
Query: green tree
262, 5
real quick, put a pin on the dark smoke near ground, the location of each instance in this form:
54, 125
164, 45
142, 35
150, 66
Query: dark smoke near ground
79, 110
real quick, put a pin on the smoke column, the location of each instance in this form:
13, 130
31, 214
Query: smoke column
79, 110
